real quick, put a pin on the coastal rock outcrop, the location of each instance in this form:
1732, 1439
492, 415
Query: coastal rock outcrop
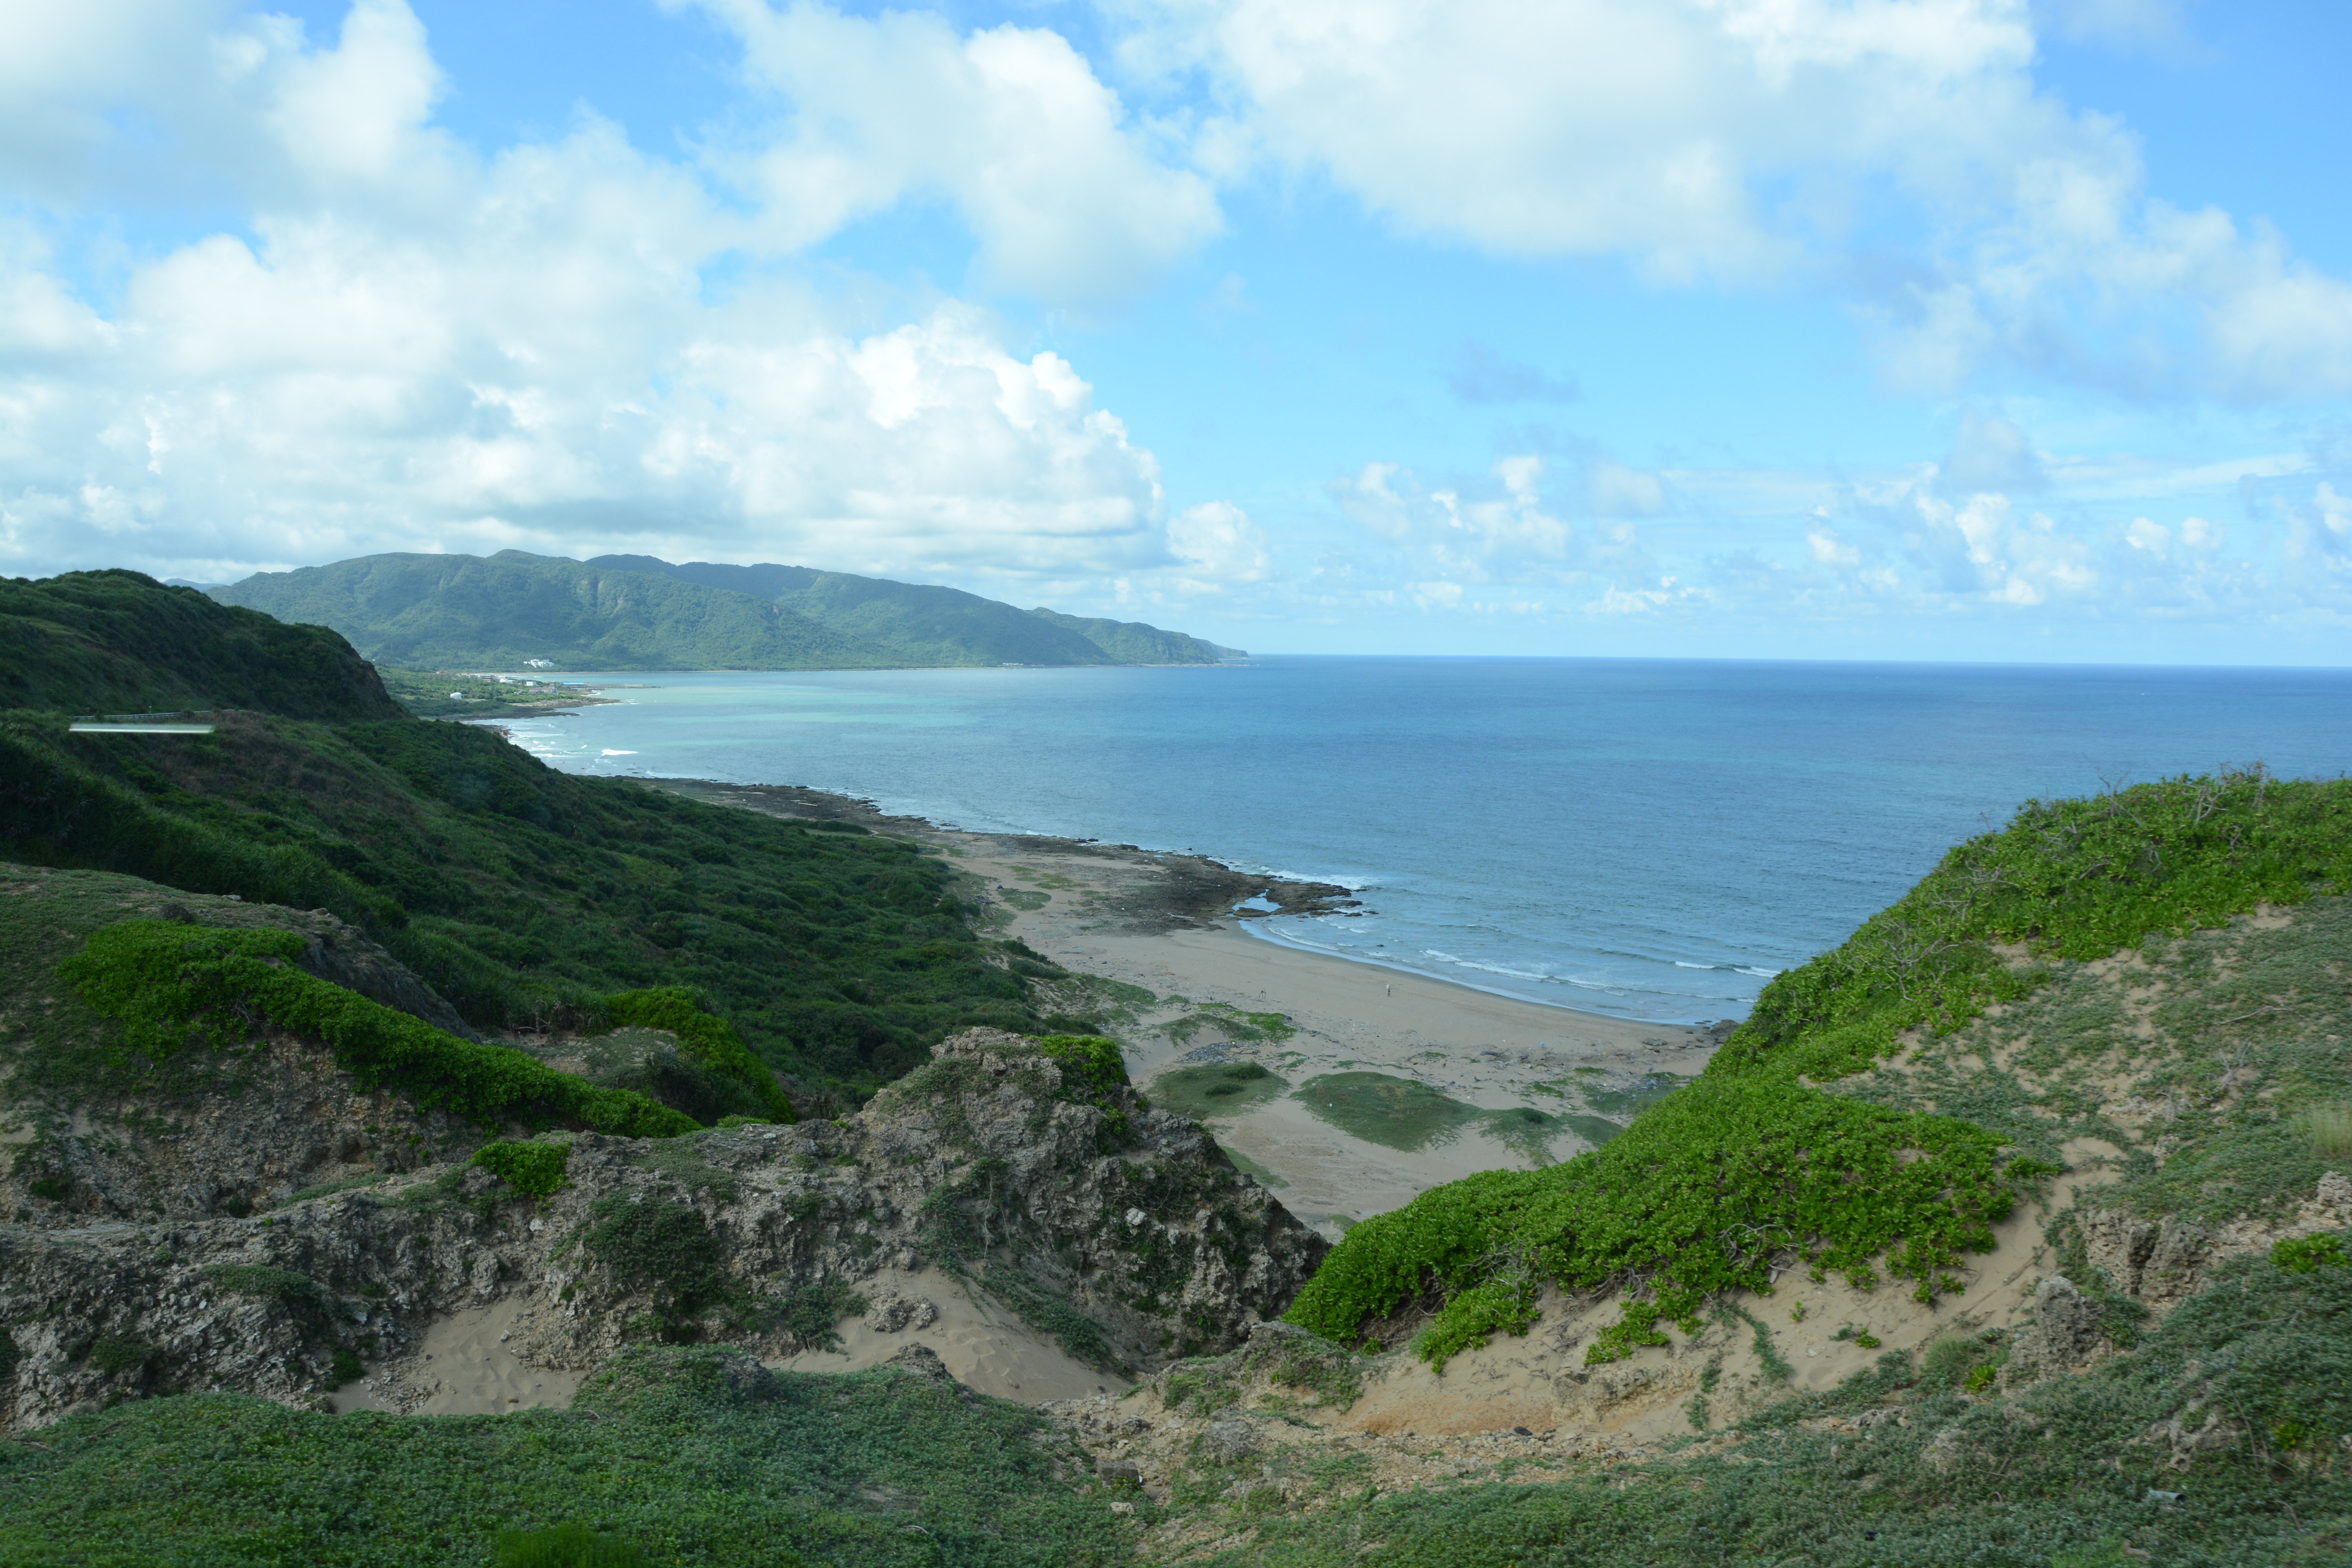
1039, 1178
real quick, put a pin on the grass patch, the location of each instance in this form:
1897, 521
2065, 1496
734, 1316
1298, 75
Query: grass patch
1230, 1022
1218, 1091
567, 1546
2327, 1129
1396, 1112
1622, 1105
1256, 1171
176, 987
693, 1455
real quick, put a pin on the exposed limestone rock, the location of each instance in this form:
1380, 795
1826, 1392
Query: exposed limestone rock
1584, 1397
2068, 1332
1228, 1439
920, 1359
2157, 1263
2187, 1438
892, 1313
978, 1159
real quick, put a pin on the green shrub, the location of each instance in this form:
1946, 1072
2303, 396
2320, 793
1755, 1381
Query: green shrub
525, 895
114, 1354
2071, 878
1751, 1159
1695, 1199
176, 987
534, 1169
566, 1546
347, 1367
662, 1246
1093, 1073
271, 1284
810, 1314
2304, 1255
709, 1039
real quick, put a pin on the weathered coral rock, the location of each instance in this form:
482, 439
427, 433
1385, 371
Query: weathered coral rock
2157, 1263
2069, 1332
978, 1159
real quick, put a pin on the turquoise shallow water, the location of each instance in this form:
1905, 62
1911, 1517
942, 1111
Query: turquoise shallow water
1650, 838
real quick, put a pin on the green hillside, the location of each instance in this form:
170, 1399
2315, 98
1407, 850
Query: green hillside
1770, 1153
117, 642
920, 624
462, 611
1132, 642
520, 893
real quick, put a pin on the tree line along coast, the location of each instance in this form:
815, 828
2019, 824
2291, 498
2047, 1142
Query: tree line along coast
415, 1154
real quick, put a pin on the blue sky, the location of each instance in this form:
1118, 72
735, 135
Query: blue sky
1892, 329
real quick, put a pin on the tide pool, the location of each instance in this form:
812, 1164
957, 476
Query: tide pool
1648, 839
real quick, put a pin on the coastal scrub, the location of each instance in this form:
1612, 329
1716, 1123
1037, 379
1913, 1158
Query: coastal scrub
1753, 1167
177, 987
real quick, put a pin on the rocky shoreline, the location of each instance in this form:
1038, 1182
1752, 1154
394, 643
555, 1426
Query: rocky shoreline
1164, 890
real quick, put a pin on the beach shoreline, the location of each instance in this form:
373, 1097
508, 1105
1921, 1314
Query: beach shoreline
1156, 943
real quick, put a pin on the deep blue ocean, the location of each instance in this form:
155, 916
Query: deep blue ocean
1650, 838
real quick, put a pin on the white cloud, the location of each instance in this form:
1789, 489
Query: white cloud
415, 347
1990, 453
1898, 150
1218, 540
1008, 123
1830, 550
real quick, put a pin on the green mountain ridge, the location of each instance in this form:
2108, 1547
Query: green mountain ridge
427, 611
117, 642
638, 612
515, 891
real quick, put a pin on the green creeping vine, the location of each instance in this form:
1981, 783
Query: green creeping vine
2069, 880
710, 1038
173, 985
1751, 1166
533, 1169
1704, 1194
1093, 1073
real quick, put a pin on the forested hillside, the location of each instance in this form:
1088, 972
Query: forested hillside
463, 612
117, 642
633, 611
515, 891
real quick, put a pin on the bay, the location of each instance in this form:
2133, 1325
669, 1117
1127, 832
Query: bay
1647, 838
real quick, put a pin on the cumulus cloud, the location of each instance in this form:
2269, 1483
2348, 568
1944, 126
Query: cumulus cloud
411, 345
1499, 531
1898, 150
1010, 125
1989, 452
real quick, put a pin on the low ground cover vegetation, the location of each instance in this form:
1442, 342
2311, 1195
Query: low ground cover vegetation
528, 896
683, 1455
1754, 1167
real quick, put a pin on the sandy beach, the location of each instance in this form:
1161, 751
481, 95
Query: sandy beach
1417, 1081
